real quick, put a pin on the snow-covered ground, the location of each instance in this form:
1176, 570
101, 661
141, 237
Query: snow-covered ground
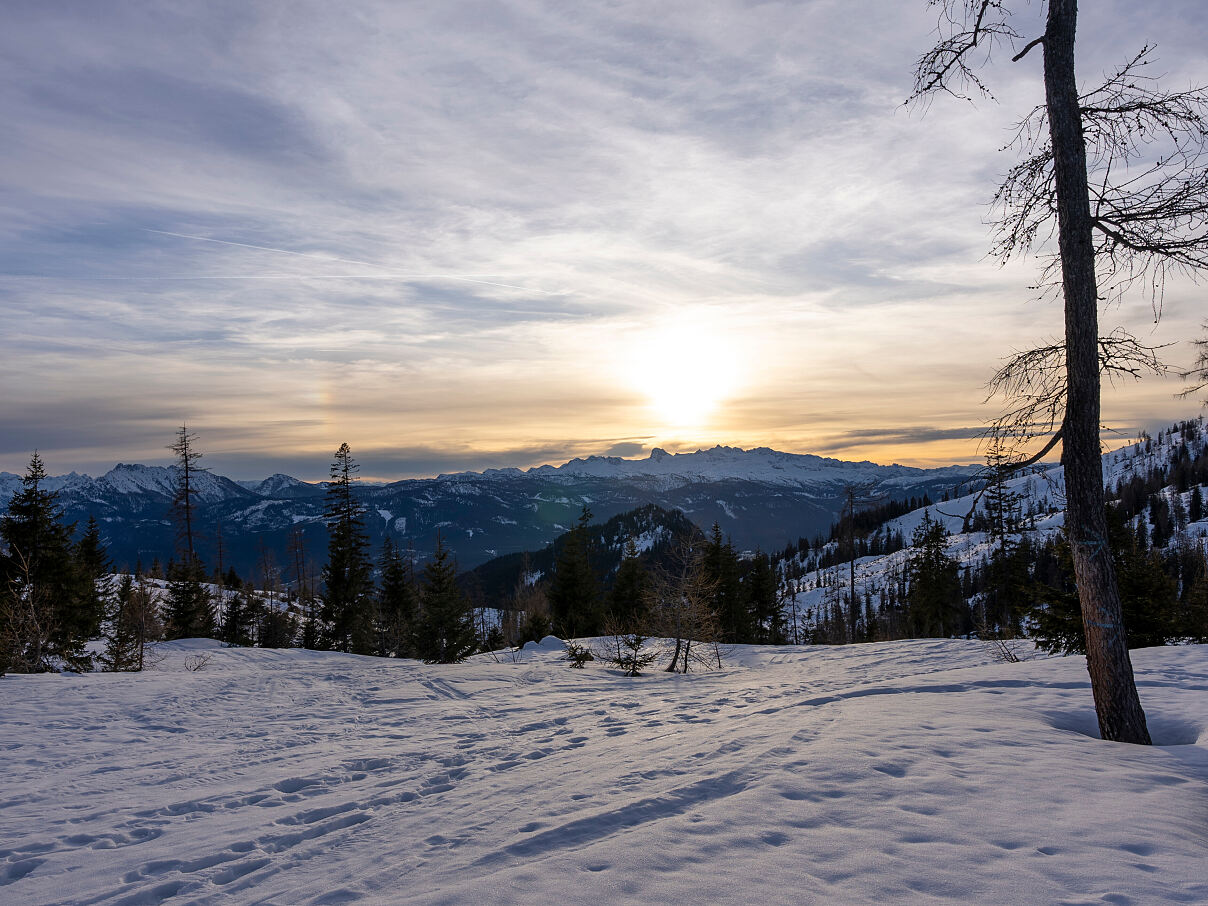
915, 772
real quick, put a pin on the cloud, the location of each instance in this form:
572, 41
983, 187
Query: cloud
413, 225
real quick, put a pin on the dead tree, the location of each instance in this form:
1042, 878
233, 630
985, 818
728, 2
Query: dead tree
185, 491
1117, 175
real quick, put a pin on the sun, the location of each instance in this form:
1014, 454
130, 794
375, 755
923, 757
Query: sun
686, 371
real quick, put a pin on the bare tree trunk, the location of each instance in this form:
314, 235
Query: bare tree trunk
1116, 701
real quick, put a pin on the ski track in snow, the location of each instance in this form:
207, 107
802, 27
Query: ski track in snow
913, 772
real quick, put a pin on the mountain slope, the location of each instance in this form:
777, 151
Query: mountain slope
761, 498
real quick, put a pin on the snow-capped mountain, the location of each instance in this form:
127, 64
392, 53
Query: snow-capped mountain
762, 498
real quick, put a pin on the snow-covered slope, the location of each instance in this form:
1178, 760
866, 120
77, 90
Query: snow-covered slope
720, 463
1041, 492
908, 772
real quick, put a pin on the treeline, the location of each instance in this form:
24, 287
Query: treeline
61, 607
699, 586
1025, 585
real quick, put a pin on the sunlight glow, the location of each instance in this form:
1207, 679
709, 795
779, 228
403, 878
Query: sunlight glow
686, 370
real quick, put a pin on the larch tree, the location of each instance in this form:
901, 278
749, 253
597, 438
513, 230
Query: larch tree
184, 495
1117, 175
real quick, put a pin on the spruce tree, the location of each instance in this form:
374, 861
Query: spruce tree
574, 594
934, 602
189, 608
46, 608
761, 591
94, 565
126, 637
444, 632
396, 604
721, 569
627, 600
347, 611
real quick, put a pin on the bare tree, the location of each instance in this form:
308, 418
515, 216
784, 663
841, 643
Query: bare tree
680, 608
184, 497
1118, 177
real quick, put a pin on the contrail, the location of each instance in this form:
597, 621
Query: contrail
466, 278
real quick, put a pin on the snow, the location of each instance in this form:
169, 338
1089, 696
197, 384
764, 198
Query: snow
917, 772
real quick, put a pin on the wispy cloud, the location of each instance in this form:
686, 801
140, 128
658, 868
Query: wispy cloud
449, 226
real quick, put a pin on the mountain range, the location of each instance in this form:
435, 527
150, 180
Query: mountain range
761, 498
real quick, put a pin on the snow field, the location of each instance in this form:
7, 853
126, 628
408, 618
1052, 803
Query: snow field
914, 772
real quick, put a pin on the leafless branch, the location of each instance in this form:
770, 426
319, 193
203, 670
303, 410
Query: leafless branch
968, 31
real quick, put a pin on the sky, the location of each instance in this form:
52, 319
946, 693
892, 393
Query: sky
460, 235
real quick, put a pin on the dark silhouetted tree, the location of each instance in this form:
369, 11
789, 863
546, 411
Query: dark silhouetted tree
444, 632
347, 612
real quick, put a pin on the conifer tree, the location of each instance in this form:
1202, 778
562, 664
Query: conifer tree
444, 632
574, 594
721, 569
627, 599
934, 601
347, 611
396, 604
132, 625
94, 565
43, 590
761, 590
189, 608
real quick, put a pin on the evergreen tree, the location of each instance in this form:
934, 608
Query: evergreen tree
47, 609
189, 609
131, 626
240, 618
722, 572
444, 632
1148, 596
574, 594
627, 599
761, 590
347, 611
94, 565
396, 604
934, 601
1195, 507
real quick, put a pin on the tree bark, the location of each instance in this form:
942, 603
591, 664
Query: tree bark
1116, 702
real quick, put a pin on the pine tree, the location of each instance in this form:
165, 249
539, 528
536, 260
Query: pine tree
396, 604
189, 609
131, 626
1195, 507
239, 619
721, 569
444, 632
761, 590
934, 600
627, 599
94, 565
574, 594
43, 592
347, 611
